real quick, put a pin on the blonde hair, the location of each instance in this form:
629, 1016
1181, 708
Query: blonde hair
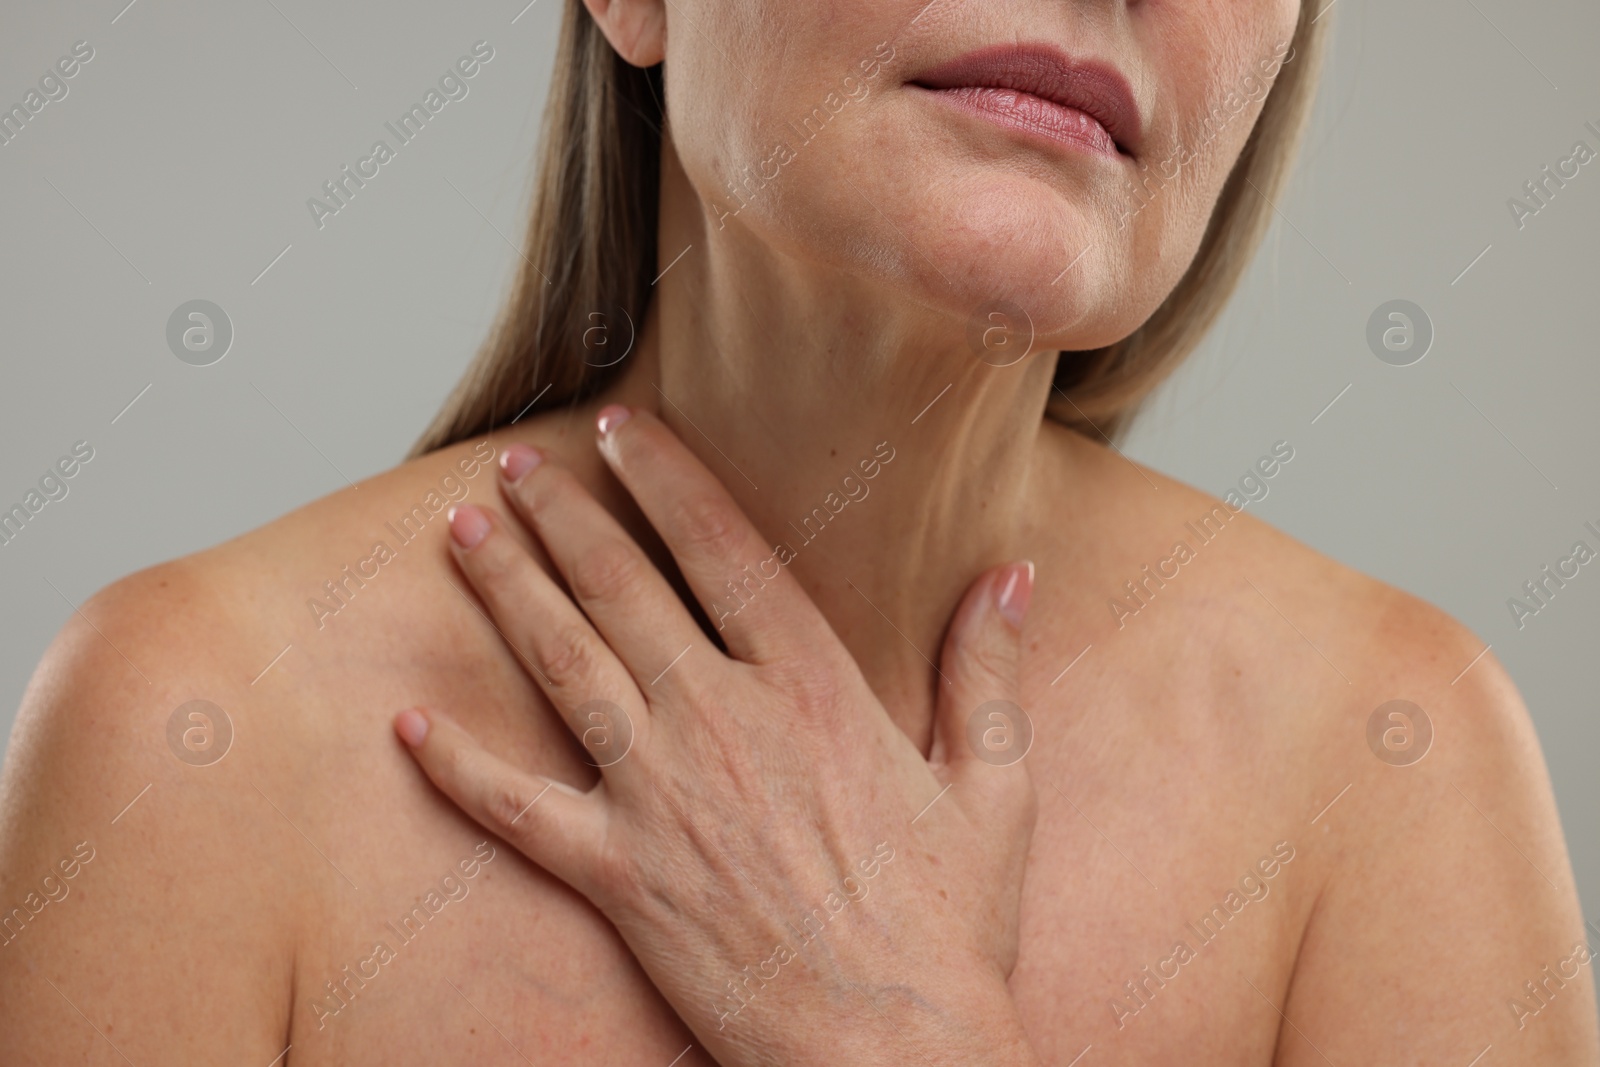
591, 245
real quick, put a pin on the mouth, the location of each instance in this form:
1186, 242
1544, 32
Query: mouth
1038, 90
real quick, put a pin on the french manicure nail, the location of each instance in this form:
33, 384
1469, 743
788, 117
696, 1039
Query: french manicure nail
468, 525
411, 726
611, 416
1016, 590
517, 460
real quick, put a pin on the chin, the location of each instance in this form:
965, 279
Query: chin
957, 232
991, 236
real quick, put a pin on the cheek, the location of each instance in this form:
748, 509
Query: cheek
748, 81
1218, 64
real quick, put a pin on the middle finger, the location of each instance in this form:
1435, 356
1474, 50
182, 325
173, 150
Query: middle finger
619, 589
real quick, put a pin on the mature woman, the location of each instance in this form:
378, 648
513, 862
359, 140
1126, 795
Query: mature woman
793, 670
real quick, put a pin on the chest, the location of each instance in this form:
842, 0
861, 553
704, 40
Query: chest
1161, 915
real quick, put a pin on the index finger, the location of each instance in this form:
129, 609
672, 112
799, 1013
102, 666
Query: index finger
739, 578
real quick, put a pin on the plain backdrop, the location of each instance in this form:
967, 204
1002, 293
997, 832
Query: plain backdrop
179, 164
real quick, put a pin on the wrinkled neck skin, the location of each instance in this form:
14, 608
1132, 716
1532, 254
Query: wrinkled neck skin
793, 382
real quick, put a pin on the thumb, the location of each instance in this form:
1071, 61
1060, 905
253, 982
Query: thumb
979, 722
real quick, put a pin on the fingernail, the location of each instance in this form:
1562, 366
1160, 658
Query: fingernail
517, 461
1016, 590
611, 416
468, 525
412, 727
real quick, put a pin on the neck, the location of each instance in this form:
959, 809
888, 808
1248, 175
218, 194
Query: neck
861, 434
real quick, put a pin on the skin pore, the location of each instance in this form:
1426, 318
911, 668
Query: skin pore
1223, 725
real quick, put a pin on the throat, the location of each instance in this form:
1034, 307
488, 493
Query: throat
885, 484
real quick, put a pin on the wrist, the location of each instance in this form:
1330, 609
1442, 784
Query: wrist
964, 1018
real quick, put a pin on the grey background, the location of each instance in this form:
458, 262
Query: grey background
179, 165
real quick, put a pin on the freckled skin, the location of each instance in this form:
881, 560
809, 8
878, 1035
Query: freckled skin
1188, 776
1185, 744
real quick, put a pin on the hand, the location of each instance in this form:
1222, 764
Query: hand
798, 881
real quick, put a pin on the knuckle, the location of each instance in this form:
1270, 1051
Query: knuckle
498, 569
989, 665
710, 526
813, 686
505, 803
569, 655
458, 763
607, 573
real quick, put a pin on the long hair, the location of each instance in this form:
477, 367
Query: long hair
591, 246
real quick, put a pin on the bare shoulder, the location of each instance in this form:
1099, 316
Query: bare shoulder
209, 626
144, 840
236, 649
1394, 743
210, 622
1175, 562
1443, 872
107, 844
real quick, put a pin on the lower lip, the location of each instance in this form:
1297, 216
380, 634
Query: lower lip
1031, 114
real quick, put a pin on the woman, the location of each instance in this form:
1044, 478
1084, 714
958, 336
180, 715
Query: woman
853, 699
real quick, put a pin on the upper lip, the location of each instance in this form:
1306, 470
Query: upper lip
1097, 89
